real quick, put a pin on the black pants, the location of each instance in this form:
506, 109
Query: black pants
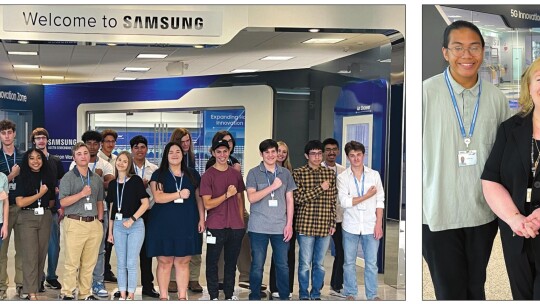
145, 262
336, 282
291, 255
457, 260
229, 240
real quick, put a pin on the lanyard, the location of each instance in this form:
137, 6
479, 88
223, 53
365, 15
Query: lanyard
137, 170
14, 159
466, 139
268, 179
94, 167
118, 196
181, 179
360, 194
37, 192
88, 178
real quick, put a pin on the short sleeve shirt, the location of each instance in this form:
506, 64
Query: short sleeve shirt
6, 163
131, 192
3, 187
73, 183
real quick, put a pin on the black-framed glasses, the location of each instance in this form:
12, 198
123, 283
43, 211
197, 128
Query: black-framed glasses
459, 51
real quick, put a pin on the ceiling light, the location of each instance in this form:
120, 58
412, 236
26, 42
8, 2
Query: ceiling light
454, 16
23, 42
23, 53
314, 30
384, 60
111, 44
26, 66
280, 58
125, 78
151, 56
344, 72
475, 21
198, 46
244, 71
324, 40
48, 77
136, 69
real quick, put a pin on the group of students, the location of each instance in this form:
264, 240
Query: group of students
164, 211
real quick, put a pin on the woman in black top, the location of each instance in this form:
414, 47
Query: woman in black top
126, 229
34, 195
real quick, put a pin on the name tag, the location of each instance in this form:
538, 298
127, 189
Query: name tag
272, 203
87, 206
39, 211
118, 216
467, 158
12, 186
210, 239
179, 201
529, 194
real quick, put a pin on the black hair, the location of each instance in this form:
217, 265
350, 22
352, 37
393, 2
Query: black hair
456, 25
330, 141
354, 146
313, 145
91, 135
267, 144
139, 139
45, 172
164, 166
219, 136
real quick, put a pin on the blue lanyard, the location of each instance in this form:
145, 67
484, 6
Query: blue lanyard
88, 178
94, 167
14, 159
466, 139
360, 194
181, 179
268, 179
137, 170
118, 196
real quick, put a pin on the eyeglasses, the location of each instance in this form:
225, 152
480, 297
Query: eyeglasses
40, 138
459, 51
109, 141
315, 154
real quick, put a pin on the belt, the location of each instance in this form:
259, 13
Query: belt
26, 208
82, 218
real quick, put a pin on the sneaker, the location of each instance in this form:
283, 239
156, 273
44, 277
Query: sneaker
275, 295
91, 298
215, 299
233, 298
195, 286
99, 290
244, 284
20, 292
350, 298
337, 293
117, 294
68, 298
121, 299
109, 277
41, 287
53, 284
172, 287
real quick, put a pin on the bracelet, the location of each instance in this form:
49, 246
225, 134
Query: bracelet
133, 218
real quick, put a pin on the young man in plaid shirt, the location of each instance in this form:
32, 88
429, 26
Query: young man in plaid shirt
316, 218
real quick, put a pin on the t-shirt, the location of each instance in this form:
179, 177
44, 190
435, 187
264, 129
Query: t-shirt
131, 193
3, 187
73, 183
263, 218
6, 163
215, 183
104, 166
58, 172
31, 186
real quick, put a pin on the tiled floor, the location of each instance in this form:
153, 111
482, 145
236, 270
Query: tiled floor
386, 292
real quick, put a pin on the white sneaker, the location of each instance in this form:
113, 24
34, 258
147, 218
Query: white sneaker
275, 295
336, 293
121, 299
233, 298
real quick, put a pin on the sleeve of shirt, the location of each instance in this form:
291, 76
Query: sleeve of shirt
4, 183
345, 198
241, 186
303, 194
493, 163
139, 186
333, 189
380, 191
64, 189
111, 193
291, 186
100, 191
107, 169
19, 190
250, 180
206, 185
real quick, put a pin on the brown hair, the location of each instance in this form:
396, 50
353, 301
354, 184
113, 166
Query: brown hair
130, 170
39, 131
177, 135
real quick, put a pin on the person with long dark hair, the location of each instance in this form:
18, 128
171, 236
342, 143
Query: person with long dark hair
173, 232
35, 195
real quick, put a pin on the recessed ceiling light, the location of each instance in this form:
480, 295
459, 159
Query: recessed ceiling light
314, 30
152, 56
26, 66
244, 71
111, 44
23, 53
48, 77
324, 40
136, 69
454, 16
125, 78
281, 58
198, 46
344, 72
23, 42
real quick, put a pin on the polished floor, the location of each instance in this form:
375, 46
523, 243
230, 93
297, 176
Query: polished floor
386, 292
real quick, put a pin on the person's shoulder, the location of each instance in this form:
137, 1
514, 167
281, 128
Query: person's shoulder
433, 81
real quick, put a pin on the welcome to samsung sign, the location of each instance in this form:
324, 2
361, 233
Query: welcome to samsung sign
94, 20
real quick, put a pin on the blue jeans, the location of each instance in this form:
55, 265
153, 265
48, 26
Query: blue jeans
53, 251
280, 249
99, 270
128, 243
311, 255
370, 247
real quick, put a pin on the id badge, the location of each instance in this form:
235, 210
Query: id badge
529, 194
118, 217
467, 158
87, 206
179, 201
39, 211
210, 239
12, 186
272, 203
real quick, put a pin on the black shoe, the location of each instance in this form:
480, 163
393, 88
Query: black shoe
41, 287
151, 293
91, 298
244, 284
117, 294
53, 284
110, 277
68, 298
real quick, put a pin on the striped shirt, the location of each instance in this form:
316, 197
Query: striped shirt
315, 208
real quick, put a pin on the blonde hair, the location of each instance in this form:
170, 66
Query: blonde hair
287, 161
130, 169
525, 100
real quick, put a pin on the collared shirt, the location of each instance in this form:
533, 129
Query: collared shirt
315, 208
72, 184
337, 170
452, 195
104, 166
6, 170
148, 169
111, 160
3, 187
262, 217
360, 219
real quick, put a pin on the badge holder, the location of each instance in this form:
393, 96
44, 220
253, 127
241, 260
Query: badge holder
210, 239
39, 211
118, 217
12, 186
87, 205
179, 201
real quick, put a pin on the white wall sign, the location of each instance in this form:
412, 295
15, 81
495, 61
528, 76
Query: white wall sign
97, 20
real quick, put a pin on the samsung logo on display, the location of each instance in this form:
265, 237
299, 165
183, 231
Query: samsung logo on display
93, 20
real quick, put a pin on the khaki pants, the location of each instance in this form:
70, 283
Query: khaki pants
4, 280
82, 241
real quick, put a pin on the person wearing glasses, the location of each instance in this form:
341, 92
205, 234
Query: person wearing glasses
460, 116
315, 200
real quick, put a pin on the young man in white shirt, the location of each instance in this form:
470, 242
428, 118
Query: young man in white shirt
362, 196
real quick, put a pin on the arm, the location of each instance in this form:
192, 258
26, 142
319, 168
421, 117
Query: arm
378, 233
4, 230
23, 201
15, 170
100, 210
210, 203
241, 205
303, 195
72, 199
106, 180
145, 203
288, 231
200, 208
110, 237
161, 197
255, 196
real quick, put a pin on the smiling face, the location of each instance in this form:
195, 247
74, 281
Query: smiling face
330, 153
222, 155
108, 144
81, 156
269, 156
122, 163
175, 155
34, 161
139, 152
282, 153
464, 68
